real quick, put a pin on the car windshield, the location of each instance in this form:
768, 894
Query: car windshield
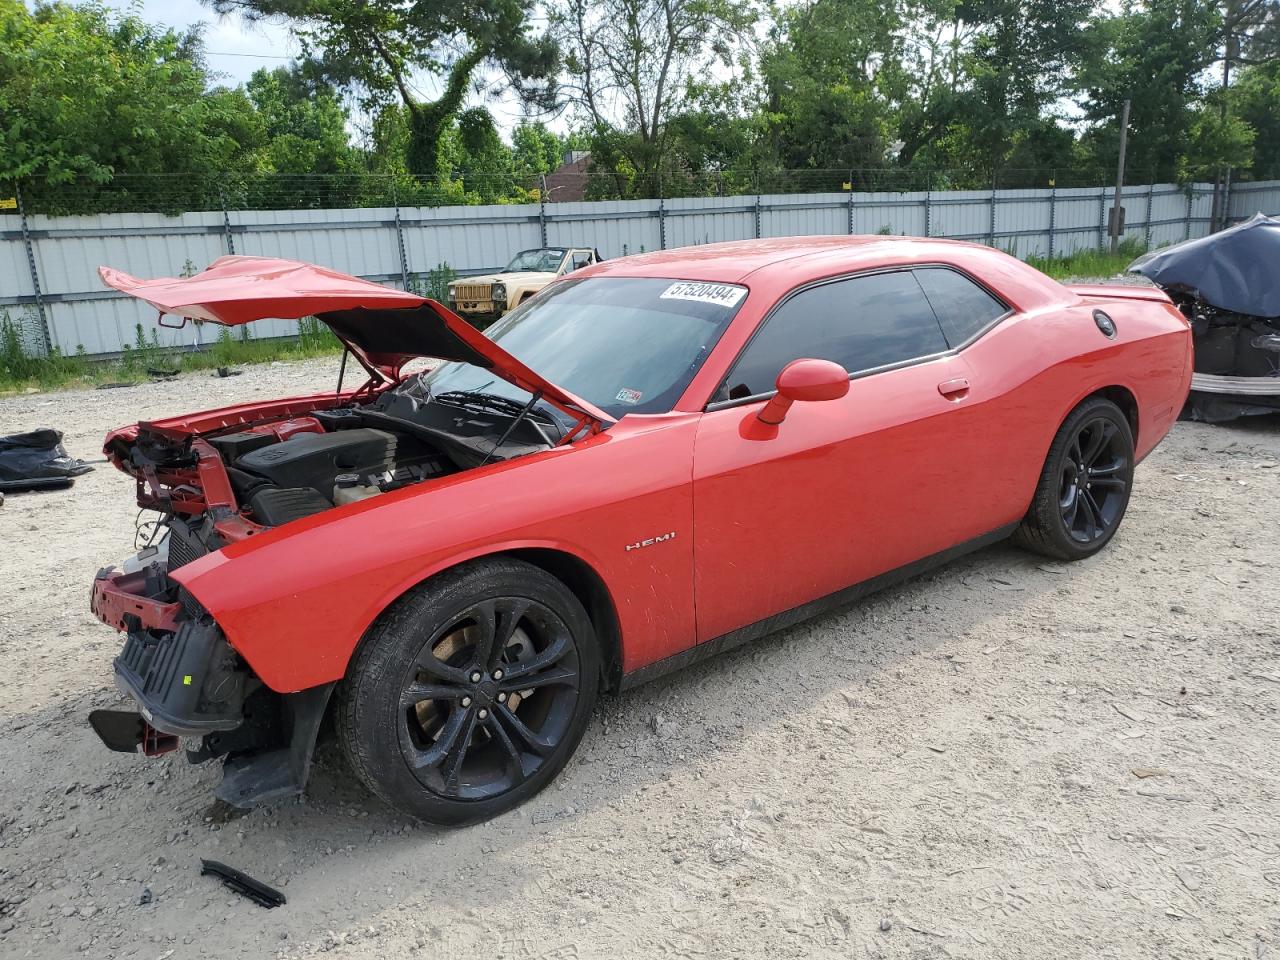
541, 261
626, 345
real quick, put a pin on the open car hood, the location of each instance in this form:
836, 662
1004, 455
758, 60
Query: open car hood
384, 328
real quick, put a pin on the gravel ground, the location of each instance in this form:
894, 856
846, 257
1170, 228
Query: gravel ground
1006, 758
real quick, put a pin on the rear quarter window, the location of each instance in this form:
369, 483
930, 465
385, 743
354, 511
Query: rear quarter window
963, 307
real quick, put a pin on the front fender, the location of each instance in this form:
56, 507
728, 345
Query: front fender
295, 601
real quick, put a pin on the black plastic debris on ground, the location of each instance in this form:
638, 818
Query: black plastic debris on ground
1228, 286
37, 460
243, 884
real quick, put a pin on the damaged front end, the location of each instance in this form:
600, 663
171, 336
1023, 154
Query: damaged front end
187, 680
221, 477
1228, 287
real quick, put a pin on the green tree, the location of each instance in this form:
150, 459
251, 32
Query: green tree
629, 65
305, 123
1018, 61
1257, 97
535, 150
1154, 55
379, 48
88, 95
822, 71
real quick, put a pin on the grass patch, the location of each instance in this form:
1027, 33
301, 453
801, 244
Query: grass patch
1089, 263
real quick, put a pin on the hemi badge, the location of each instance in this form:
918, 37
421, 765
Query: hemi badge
651, 541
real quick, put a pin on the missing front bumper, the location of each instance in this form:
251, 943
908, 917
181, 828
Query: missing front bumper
189, 682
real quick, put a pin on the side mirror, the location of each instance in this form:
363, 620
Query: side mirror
805, 380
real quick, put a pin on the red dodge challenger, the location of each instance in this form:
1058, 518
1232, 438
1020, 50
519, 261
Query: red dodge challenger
655, 459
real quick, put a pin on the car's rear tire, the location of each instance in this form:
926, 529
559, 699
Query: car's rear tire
471, 693
1084, 487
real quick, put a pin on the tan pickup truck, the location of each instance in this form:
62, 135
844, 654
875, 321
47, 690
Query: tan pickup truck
488, 297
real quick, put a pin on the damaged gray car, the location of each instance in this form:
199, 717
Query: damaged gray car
1228, 285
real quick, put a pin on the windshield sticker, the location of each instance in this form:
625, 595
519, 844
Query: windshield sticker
629, 396
721, 294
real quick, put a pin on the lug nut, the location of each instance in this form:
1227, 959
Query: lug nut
466, 701
475, 676
502, 698
497, 674
484, 714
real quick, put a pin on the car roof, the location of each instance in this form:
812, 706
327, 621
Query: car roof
791, 260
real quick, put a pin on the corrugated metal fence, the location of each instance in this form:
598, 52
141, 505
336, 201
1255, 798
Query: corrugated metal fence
48, 265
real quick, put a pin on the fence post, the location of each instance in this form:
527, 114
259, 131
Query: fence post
1186, 223
542, 208
850, 203
1226, 200
662, 215
226, 222
759, 219
46, 339
404, 259
1146, 237
1102, 219
928, 205
1053, 213
991, 230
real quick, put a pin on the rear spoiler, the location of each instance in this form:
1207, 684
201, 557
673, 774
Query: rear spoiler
1118, 291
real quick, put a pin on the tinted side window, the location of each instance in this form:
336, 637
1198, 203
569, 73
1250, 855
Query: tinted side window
964, 309
861, 323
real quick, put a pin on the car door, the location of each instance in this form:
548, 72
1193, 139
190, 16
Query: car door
847, 489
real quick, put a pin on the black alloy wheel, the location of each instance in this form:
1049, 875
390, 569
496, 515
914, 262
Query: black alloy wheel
1084, 486
488, 698
1094, 486
471, 692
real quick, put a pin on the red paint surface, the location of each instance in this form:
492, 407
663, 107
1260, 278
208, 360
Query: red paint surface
906, 464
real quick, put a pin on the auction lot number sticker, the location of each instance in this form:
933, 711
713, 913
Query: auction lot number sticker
721, 294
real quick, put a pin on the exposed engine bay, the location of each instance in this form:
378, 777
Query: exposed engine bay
229, 483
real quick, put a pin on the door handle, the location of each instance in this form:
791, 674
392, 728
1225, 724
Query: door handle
954, 389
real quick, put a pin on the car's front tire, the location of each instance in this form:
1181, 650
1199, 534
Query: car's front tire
471, 693
1084, 487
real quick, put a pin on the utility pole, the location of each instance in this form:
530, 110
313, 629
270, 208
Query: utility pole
1117, 211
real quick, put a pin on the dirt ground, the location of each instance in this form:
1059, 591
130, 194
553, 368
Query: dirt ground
1007, 758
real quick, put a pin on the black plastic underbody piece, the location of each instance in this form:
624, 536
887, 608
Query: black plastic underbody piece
273, 506
120, 730
243, 884
279, 767
188, 683
124, 731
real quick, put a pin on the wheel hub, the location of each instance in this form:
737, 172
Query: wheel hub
1095, 479
488, 699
